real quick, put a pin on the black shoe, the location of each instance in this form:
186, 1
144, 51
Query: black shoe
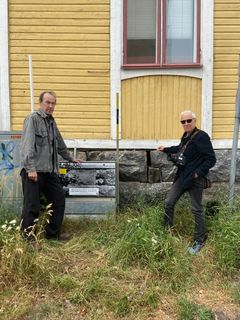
64, 236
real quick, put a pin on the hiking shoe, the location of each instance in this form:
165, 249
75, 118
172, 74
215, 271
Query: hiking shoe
195, 247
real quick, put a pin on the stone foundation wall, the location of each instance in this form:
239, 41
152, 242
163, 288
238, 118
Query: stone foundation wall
146, 173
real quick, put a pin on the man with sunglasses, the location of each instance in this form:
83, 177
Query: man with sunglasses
194, 156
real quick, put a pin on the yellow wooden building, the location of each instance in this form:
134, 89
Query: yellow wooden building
87, 51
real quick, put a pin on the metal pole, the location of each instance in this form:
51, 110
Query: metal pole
31, 82
235, 145
117, 152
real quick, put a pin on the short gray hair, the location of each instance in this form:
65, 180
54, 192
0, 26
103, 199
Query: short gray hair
52, 93
189, 111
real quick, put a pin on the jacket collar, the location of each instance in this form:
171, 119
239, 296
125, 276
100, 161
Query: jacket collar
43, 114
186, 136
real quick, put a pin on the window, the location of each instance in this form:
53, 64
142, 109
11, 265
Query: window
161, 33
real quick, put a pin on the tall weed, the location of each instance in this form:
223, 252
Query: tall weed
225, 233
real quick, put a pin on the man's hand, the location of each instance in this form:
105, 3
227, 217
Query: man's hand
78, 161
161, 148
33, 176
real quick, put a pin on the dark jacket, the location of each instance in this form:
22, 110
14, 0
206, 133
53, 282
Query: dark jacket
200, 156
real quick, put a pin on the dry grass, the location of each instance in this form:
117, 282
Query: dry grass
80, 279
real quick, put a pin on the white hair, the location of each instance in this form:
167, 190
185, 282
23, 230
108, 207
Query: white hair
188, 111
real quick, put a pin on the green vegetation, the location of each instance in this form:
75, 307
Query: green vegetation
124, 267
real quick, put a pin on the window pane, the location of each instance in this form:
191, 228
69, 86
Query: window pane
141, 31
180, 33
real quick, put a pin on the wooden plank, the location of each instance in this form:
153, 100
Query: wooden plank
44, 44
230, 100
60, 29
63, 58
15, 112
226, 58
91, 101
226, 35
59, 7
60, 15
93, 67
226, 14
226, 28
74, 96
224, 93
52, 22
224, 114
58, 36
227, 21
220, 135
58, 72
225, 42
81, 51
226, 6
61, 2
61, 79
62, 86
221, 79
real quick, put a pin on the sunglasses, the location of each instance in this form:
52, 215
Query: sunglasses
186, 121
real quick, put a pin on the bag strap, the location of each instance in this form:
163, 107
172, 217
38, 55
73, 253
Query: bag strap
191, 137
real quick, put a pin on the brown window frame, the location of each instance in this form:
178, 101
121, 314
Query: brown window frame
161, 39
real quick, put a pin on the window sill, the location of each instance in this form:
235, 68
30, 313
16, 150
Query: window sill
155, 66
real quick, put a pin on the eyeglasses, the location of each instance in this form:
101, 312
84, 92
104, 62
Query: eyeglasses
186, 121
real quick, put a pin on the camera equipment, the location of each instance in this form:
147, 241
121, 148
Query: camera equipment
177, 158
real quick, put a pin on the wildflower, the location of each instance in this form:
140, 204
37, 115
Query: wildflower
19, 250
13, 222
4, 227
49, 212
154, 241
49, 206
9, 228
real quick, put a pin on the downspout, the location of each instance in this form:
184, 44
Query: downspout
234, 145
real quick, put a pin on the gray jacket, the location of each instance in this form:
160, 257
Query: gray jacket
36, 149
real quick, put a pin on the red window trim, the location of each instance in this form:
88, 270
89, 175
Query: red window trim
162, 56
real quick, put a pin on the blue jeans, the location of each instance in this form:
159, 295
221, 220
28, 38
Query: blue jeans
196, 193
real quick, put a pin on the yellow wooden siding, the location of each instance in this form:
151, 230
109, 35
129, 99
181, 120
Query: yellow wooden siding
69, 42
226, 55
151, 105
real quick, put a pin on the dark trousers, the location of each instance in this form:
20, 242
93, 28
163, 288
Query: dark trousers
196, 193
49, 185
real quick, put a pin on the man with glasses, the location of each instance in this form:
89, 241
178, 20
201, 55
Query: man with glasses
41, 144
194, 156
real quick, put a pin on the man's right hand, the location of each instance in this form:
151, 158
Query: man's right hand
33, 176
161, 148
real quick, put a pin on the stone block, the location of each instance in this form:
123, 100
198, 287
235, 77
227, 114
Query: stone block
132, 163
159, 160
154, 175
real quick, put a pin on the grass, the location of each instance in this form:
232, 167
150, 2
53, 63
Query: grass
124, 267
